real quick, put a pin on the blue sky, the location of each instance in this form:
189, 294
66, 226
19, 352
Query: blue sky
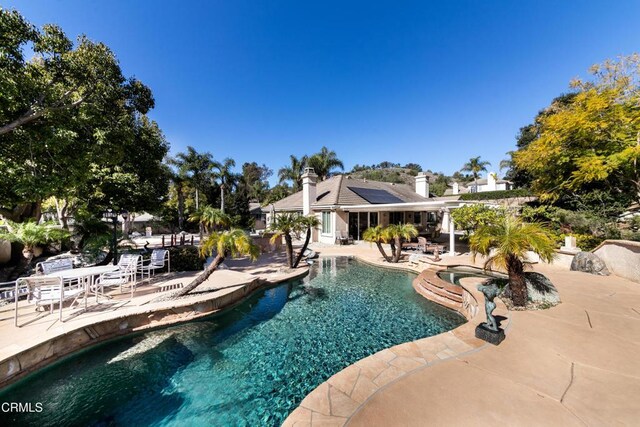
433, 83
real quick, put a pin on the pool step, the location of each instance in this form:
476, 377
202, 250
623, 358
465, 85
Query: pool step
433, 288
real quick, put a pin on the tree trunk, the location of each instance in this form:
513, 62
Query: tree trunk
179, 190
384, 254
222, 198
289, 249
398, 250
392, 243
202, 277
61, 210
304, 248
517, 281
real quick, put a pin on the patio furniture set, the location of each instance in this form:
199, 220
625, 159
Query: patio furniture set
57, 281
424, 246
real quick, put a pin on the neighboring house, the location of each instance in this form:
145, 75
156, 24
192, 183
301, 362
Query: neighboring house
348, 205
490, 183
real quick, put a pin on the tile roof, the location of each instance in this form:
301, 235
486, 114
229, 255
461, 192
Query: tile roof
335, 191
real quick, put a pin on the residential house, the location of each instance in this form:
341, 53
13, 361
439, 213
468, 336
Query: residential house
490, 183
347, 205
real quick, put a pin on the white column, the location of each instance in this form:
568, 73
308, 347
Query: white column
452, 236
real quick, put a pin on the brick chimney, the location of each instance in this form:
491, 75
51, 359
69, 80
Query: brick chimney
309, 178
422, 184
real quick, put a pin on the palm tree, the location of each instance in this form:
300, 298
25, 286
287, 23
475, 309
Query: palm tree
396, 234
179, 180
197, 167
286, 225
377, 235
293, 172
231, 243
507, 163
511, 238
32, 235
324, 162
475, 166
210, 217
225, 176
309, 222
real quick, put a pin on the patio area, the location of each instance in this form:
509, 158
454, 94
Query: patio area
43, 338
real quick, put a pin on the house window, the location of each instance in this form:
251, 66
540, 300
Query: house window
396, 217
326, 222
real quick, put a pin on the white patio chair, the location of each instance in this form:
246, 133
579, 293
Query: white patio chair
157, 262
54, 265
47, 291
125, 275
126, 259
8, 291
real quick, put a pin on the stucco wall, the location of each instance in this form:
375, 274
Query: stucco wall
622, 258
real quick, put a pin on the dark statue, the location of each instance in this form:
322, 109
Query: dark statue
489, 330
490, 291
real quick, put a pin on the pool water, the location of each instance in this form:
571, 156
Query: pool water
453, 275
249, 366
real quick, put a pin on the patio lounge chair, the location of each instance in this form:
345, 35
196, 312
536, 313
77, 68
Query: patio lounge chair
342, 238
8, 291
157, 262
125, 275
47, 291
54, 265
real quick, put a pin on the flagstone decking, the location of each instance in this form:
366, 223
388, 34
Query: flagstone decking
575, 364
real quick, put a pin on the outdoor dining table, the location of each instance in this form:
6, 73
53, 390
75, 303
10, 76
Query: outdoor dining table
85, 274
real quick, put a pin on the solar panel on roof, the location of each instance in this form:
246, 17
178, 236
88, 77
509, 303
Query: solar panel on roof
375, 196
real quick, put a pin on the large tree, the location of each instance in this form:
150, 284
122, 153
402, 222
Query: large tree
255, 181
198, 167
224, 176
591, 142
71, 125
293, 172
324, 163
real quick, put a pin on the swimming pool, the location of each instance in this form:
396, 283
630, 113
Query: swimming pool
251, 365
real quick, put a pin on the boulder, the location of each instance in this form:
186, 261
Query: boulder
589, 263
540, 290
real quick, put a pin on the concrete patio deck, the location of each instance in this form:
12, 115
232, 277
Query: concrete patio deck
575, 364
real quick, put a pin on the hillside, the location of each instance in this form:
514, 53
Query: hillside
396, 175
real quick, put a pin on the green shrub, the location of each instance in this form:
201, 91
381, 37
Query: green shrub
496, 195
585, 242
185, 258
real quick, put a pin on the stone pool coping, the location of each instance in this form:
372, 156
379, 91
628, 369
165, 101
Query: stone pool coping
339, 398
45, 350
